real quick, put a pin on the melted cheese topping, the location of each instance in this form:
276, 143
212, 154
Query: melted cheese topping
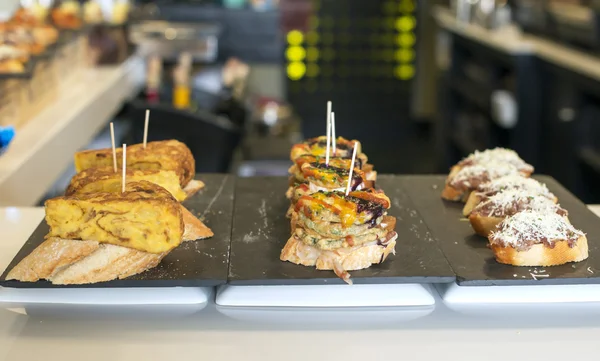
505, 203
498, 155
534, 226
516, 181
338, 204
489, 171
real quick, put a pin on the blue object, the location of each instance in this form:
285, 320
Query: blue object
6, 135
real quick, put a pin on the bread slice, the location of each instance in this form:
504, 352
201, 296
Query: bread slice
168, 155
340, 260
193, 227
193, 187
542, 255
50, 257
473, 200
483, 225
66, 261
454, 195
108, 263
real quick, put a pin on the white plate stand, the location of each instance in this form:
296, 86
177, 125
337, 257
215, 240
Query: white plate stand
325, 303
167, 301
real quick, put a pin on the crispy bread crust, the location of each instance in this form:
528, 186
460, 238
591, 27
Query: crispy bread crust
50, 257
452, 194
193, 187
472, 201
541, 255
193, 227
483, 225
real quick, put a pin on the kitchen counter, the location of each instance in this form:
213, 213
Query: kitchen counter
208, 335
516, 43
43, 148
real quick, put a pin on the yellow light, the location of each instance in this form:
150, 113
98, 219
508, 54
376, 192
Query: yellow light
295, 53
296, 70
406, 40
295, 37
387, 39
406, 23
312, 54
328, 54
312, 38
313, 22
404, 72
404, 55
406, 6
312, 70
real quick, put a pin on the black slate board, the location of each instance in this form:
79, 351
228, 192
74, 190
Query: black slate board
474, 263
260, 230
192, 264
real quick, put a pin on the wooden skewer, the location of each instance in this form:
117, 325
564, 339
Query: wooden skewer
351, 169
114, 149
124, 167
146, 127
328, 133
333, 138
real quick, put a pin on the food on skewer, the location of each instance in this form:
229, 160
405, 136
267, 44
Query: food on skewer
104, 179
167, 155
332, 231
145, 217
344, 147
532, 238
489, 213
515, 181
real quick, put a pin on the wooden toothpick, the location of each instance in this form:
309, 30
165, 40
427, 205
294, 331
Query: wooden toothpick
146, 127
333, 138
351, 169
114, 149
124, 167
328, 133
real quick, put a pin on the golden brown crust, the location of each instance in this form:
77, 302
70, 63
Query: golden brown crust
483, 225
168, 154
452, 194
472, 201
194, 228
105, 179
542, 255
50, 257
193, 187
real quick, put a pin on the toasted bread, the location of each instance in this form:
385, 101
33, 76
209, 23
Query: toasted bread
193, 227
542, 255
65, 261
193, 187
482, 225
473, 200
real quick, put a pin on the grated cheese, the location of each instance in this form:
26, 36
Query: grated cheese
474, 174
504, 203
516, 181
532, 226
498, 155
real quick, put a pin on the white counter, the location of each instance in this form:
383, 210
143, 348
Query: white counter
44, 147
519, 44
444, 335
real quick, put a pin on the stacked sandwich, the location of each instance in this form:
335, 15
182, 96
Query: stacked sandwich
522, 219
338, 220
100, 230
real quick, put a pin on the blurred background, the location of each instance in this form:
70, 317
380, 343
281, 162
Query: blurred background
421, 83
